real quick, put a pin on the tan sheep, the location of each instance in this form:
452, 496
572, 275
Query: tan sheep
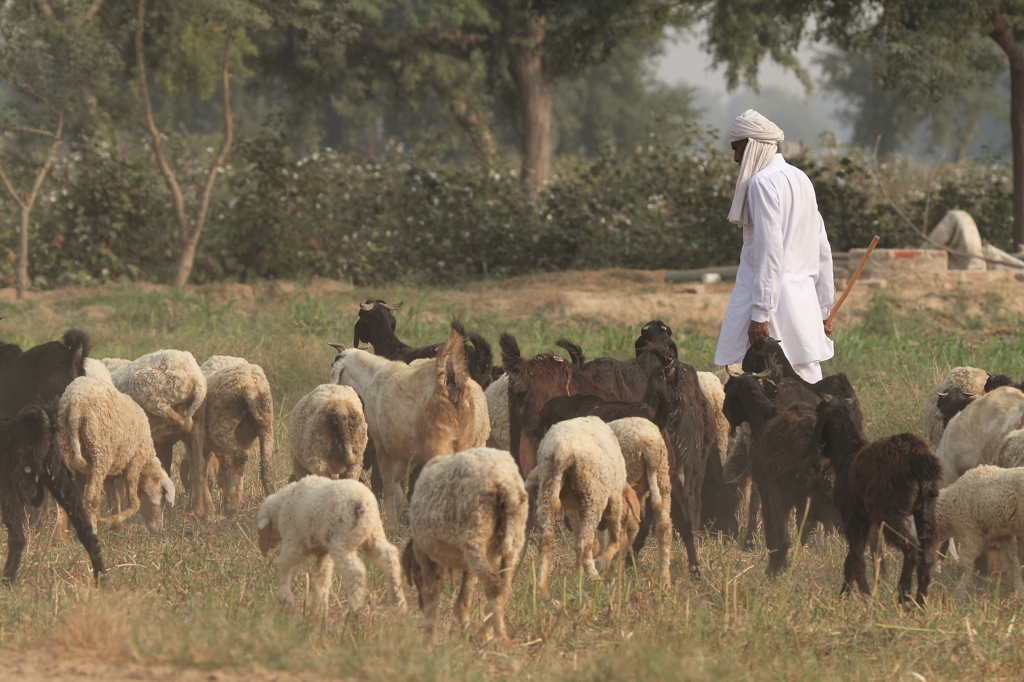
105, 433
238, 411
467, 513
714, 390
497, 411
970, 380
580, 468
327, 433
330, 520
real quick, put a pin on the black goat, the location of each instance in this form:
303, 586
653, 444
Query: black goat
29, 464
788, 472
877, 486
40, 374
953, 402
656, 333
999, 380
766, 353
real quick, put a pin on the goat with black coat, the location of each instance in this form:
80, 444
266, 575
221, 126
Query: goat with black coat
766, 352
878, 485
786, 469
29, 464
39, 375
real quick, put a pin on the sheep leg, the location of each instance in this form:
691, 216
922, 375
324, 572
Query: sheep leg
131, 481
589, 520
230, 478
464, 601
640, 539
664, 533
853, 567
546, 521
430, 593
385, 556
14, 516
924, 522
92, 496
496, 589
1011, 564
897, 534
683, 525
165, 453
59, 481
393, 493
613, 522
290, 558
321, 582
753, 503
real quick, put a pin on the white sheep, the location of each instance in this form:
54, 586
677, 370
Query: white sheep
96, 369
327, 433
238, 411
467, 513
970, 380
497, 411
646, 459
985, 505
414, 412
331, 520
714, 390
580, 468
975, 436
168, 384
105, 433
216, 363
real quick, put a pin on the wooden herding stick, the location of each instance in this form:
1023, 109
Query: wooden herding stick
853, 280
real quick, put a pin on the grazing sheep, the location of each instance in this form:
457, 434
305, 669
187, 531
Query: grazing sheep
327, 433
215, 363
984, 506
968, 380
330, 520
878, 485
497, 412
580, 468
468, 513
238, 411
105, 433
784, 462
168, 384
414, 412
976, 435
29, 464
713, 389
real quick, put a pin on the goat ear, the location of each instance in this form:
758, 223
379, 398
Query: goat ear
367, 306
337, 346
851, 401
394, 306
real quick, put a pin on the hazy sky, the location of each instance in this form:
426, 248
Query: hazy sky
782, 96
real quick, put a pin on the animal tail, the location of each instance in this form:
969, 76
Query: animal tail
511, 503
198, 398
451, 367
479, 355
72, 432
260, 404
511, 358
652, 474
79, 343
574, 350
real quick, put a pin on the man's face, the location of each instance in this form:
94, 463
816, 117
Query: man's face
738, 148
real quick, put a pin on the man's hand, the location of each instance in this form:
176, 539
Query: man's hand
757, 330
829, 328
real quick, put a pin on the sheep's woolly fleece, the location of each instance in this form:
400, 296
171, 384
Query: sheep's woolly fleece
970, 380
975, 436
166, 383
714, 390
497, 412
327, 433
105, 433
215, 363
985, 505
340, 517
468, 513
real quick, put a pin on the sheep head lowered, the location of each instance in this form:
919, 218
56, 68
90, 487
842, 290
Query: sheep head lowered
156, 493
267, 536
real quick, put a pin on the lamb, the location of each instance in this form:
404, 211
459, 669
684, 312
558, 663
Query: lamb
984, 506
878, 485
784, 463
975, 436
29, 464
415, 412
330, 520
105, 433
468, 513
327, 433
238, 411
580, 467
968, 380
497, 412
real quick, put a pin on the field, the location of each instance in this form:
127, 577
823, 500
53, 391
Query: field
200, 597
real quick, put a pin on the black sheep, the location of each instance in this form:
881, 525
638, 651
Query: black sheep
878, 486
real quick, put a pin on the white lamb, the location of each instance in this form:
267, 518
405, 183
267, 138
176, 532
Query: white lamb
713, 389
646, 458
330, 520
580, 468
105, 433
168, 384
467, 513
414, 412
985, 505
497, 411
970, 380
327, 433
975, 436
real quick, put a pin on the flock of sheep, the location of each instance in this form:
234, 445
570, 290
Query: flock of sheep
619, 447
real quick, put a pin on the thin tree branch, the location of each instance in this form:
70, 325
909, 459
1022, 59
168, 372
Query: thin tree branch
10, 189
37, 131
229, 134
41, 175
93, 9
915, 228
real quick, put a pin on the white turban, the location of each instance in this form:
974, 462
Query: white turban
763, 139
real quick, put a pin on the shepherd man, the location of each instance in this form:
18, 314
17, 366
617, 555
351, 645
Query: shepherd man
784, 286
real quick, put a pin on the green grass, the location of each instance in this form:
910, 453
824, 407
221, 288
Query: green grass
202, 595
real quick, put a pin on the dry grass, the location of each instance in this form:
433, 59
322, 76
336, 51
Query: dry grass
201, 595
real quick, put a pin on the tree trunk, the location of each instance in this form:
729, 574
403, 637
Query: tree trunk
26, 213
968, 136
526, 56
1003, 37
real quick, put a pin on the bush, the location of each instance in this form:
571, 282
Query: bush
105, 214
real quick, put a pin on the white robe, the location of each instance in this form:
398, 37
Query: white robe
785, 272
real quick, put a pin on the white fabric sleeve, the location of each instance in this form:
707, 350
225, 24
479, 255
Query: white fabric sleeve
766, 224
825, 284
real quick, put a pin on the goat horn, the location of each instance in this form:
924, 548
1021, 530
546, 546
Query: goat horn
731, 372
825, 397
942, 395
762, 375
337, 346
364, 348
366, 306
394, 306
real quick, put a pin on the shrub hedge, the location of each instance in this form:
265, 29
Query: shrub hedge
105, 213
